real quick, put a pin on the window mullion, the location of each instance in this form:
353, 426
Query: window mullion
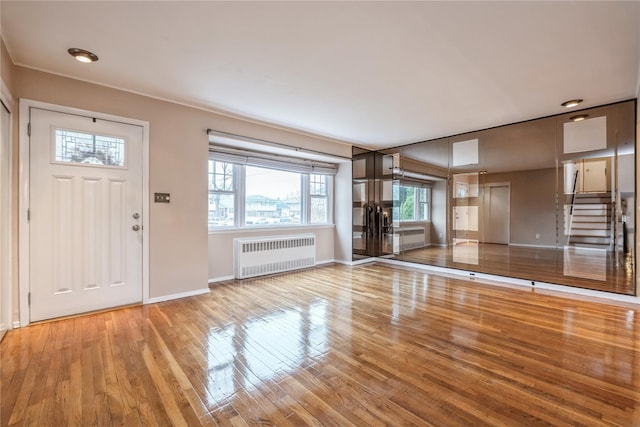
240, 190
329, 195
305, 198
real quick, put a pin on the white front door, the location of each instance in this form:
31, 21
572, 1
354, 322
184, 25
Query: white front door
85, 209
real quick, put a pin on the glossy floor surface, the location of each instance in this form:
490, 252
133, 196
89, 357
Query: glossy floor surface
584, 268
337, 346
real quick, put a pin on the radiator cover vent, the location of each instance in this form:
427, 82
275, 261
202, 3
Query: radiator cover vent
257, 256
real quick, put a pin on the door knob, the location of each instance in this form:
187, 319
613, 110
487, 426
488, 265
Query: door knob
136, 215
135, 227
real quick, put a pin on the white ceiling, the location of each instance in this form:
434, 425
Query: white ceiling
376, 74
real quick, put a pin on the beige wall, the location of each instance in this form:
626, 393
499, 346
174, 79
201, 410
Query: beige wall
6, 66
178, 234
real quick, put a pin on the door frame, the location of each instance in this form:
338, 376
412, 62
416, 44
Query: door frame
487, 186
7, 244
24, 190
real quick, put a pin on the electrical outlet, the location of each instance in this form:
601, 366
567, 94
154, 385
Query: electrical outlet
161, 197
537, 235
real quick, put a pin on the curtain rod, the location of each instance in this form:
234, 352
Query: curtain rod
273, 144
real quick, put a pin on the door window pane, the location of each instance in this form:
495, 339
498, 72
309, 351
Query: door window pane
89, 149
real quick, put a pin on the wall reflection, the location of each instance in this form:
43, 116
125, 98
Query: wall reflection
547, 200
244, 355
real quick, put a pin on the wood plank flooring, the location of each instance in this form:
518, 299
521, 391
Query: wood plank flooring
583, 268
370, 345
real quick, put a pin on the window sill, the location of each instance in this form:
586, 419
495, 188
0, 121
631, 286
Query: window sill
271, 228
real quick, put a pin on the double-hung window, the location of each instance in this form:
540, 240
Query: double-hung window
319, 198
246, 191
413, 202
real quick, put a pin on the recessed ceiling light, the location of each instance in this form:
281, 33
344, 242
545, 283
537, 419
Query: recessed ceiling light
83, 55
571, 103
578, 118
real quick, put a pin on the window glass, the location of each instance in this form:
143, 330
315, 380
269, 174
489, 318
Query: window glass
221, 194
423, 204
272, 197
220, 176
255, 196
89, 149
414, 203
319, 199
318, 185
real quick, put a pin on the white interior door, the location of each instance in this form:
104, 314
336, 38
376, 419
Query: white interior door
595, 176
85, 214
5, 226
496, 214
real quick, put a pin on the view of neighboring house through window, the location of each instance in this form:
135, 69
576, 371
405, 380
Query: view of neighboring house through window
245, 195
414, 202
272, 196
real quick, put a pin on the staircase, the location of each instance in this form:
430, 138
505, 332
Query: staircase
590, 222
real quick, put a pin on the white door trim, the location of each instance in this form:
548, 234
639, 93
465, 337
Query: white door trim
23, 196
488, 185
7, 100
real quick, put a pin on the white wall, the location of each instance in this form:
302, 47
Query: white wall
343, 202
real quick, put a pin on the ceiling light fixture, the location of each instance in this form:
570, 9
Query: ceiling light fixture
571, 103
83, 55
578, 118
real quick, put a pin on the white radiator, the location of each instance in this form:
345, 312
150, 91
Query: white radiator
266, 255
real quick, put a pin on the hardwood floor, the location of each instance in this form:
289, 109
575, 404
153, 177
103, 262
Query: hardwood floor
582, 268
337, 346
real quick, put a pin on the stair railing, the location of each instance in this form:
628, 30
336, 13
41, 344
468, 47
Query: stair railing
573, 200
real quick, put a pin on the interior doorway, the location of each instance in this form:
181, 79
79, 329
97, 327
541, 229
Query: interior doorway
495, 214
5, 217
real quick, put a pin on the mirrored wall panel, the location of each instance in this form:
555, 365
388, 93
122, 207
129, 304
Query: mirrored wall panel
548, 200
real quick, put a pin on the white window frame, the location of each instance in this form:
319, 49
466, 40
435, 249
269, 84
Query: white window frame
305, 194
328, 196
417, 202
235, 173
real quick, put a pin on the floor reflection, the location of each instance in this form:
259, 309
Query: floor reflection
242, 356
466, 253
585, 263
584, 268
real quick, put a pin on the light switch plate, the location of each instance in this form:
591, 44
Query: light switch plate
161, 197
